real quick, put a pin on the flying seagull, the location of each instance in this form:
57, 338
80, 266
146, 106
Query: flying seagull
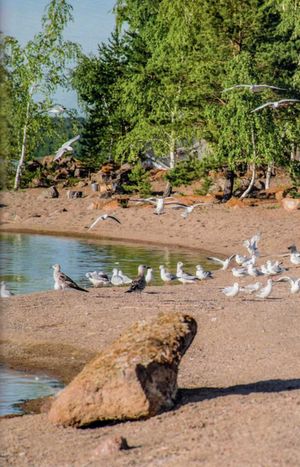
224, 263
57, 109
103, 217
255, 87
187, 209
294, 283
62, 281
277, 104
66, 147
139, 283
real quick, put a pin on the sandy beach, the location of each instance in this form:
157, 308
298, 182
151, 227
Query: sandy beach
239, 383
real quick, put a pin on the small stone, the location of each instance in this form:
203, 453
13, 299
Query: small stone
110, 446
135, 377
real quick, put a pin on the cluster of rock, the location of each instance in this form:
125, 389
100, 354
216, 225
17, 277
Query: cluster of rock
135, 377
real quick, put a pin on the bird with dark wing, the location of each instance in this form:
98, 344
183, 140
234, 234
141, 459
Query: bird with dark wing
139, 283
62, 281
255, 87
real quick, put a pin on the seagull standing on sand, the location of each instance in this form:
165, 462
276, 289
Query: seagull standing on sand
231, 291
103, 217
4, 291
239, 272
139, 283
66, 147
202, 274
264, 292
125, 279
185, 277
149, 276
250, 288
294, 283
294, 255
98, 279
165, 275
224, 263
62, 281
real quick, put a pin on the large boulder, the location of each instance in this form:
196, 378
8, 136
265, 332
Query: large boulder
135, 377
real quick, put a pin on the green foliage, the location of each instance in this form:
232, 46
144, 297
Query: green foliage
33, 73
294, 171
139, 181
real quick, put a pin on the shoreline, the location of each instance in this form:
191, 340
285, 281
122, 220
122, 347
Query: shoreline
238, 382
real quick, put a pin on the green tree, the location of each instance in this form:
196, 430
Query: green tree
35, 71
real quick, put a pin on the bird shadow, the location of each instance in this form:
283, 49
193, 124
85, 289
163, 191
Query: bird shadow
271, 299
189, 396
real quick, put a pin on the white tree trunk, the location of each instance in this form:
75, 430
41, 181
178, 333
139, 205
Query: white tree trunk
268, 175
250, 184
252, 181
23, 151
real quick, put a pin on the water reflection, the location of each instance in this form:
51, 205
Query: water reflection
26, 259
18, 386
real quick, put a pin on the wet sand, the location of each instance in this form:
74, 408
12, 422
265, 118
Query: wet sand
239, 398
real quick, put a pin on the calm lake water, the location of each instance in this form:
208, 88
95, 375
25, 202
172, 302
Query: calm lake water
26, 260
18, 386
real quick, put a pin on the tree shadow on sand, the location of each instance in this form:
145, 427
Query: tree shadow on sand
188, 396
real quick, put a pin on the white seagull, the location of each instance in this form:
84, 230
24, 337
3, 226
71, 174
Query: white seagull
251, 244
255, 87
98, 279
251, 288
264, 292
231, 291
66, 147
185, 277
294, 255
165, 275
57, 109
239, 272
125, 279
4, 291
103, 217
149, 276
187, 209
116, 279
294, 283
224, 263
62, 281
277, 104
202, 274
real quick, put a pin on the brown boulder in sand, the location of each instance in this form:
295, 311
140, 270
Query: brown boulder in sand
135, 377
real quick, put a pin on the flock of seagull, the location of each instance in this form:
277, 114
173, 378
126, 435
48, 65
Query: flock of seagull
245, 266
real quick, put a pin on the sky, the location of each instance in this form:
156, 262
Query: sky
93, 23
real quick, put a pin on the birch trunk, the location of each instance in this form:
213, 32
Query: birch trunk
252, 181
23, 151
268, 175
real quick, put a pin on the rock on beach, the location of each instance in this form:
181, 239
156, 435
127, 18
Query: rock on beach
135, 377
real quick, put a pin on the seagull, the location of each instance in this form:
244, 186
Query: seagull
165, 275
116, 279
125, 279
264, 292
274, 268
62, 281
241, 259
98, 279
253, 271
57, 109
4, 291
149, 275
239, 272
294, 283
66, 147
249, 261
225, 263
231, 291
255, 87
250, 288
277, 104
187, 209
294, 255
103, 217
251, 244
139, 283
202, 274
183, 276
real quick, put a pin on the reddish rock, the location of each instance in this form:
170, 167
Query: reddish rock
135, 377
110, 446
